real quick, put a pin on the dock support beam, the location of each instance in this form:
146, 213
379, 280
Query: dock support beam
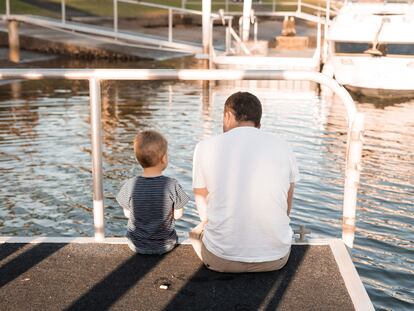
97, 175
353, 168
14, 45
247, 8
206, 7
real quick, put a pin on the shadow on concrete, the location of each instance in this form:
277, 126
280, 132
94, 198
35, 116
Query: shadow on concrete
110, 289
209, 290
26, 260
7, 251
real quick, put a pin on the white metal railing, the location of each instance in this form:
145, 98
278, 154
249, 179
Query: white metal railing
95, 76
115, 33
273, 6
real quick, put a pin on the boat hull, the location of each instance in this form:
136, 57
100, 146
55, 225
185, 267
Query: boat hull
375, 76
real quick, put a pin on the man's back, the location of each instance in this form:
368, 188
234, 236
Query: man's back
247, 174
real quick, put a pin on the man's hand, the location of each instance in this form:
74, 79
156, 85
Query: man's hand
290, 197
200, 196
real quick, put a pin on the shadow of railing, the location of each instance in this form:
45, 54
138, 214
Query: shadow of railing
24, 261
113, 286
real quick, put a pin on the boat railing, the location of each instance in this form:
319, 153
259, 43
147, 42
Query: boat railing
355, 120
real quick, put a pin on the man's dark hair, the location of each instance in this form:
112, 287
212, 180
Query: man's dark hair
245, 106
149, 147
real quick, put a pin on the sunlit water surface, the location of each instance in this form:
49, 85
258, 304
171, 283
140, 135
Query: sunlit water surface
45, 165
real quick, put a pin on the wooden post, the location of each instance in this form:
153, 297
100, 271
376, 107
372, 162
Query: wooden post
14, 46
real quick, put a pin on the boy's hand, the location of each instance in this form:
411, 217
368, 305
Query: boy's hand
127, 213
178, 213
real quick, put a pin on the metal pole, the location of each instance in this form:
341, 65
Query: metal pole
273, 6
116, 18
353, 168
228, 37
206, 7
170, 22
318, 37
226, 5
325, 35
7, 8
255, 29
63, 7
247, 7
96, 137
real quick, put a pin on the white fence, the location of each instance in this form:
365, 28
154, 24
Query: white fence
95, 76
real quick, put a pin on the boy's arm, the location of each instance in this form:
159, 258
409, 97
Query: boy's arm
181, 199
200, 196
123, 198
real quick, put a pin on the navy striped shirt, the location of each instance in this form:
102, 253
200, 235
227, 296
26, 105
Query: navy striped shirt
151, 202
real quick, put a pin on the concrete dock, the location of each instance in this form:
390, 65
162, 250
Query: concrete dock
56, 276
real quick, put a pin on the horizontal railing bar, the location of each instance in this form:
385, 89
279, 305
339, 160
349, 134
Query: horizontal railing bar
183, 74
166, 7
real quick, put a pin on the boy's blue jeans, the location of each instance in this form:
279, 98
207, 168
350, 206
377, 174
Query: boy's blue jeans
151, 251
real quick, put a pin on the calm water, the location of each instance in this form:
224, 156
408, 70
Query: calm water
45, 166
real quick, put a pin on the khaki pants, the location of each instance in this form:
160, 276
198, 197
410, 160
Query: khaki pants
216, 263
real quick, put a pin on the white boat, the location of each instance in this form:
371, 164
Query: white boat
371, 48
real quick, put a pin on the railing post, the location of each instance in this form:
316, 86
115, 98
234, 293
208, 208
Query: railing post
206, 7
247, 9
7, 8
325, 34
273, 6
170, 22
228, 36
318, 37
299, 8
115, 18
63, 8
96, 137
353, 168
226, 6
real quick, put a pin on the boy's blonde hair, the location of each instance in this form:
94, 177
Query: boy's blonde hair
149, 148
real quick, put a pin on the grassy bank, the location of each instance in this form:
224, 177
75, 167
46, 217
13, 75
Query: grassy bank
104, 8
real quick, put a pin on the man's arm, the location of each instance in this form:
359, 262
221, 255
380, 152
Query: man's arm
200, 196
290, 197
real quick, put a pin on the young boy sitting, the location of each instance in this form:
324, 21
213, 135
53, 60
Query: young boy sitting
152, 201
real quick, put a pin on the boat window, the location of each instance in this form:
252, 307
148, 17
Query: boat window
352, 47
400, 49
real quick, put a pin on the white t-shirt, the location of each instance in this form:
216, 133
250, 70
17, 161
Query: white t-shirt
247, 173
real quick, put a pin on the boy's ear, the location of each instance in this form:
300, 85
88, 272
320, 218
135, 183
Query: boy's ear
165, 158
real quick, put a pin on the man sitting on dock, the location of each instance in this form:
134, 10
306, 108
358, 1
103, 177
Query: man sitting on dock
243, 182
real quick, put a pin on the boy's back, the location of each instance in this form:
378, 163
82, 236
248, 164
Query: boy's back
151, 202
